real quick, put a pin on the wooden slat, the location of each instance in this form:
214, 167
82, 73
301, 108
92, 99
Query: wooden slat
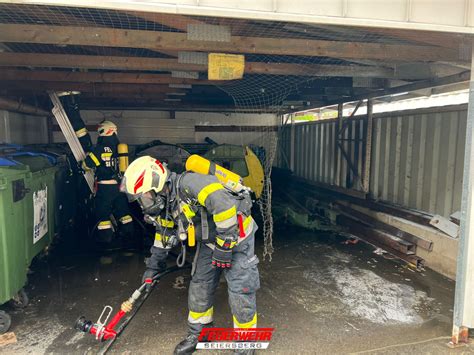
97, 77
178, 41
94, 62
159, 64
87, 87
318, 70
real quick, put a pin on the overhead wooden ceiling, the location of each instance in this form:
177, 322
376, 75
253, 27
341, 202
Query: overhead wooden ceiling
130, 59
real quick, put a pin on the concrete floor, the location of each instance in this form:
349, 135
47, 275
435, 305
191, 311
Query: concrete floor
320, 295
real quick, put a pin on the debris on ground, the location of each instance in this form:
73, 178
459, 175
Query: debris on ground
7, 338
380, 251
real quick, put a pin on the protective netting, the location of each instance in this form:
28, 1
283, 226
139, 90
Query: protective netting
288, 66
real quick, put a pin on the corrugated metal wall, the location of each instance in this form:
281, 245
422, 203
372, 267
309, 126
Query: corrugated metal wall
19, 128
315, 155
417, 156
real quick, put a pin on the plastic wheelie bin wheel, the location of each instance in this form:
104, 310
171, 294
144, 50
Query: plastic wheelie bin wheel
20, 300
5, 322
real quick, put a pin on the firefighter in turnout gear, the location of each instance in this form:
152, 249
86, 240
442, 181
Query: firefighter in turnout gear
199, 209
103, 159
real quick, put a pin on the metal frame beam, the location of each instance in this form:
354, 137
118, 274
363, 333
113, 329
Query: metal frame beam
399, 15
463, 317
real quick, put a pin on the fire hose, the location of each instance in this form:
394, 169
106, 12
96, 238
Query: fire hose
109, 331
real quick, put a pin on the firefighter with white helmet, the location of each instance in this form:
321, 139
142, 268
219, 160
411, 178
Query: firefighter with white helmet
103, 159
198, 208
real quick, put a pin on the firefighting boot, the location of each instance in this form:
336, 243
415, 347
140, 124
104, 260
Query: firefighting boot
188, 345
244, 352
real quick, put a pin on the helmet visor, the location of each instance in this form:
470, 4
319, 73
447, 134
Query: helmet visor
147, 199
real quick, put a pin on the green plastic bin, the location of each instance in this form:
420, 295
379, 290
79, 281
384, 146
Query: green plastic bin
27, 209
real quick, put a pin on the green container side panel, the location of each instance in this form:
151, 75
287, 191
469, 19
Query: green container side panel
17, 248
40, 181
12, 233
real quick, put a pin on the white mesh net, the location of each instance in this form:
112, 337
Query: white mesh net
288, 66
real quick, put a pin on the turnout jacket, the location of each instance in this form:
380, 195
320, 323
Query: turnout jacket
103, 158
201, 202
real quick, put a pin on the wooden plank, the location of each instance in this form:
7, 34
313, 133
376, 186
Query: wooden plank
156, 40
319, 70
88, 87
98, 77
94, 62
41, 60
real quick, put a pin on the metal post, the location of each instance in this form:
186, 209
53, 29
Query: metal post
463, 300
340, 117
6, 126
368, 147
292, 143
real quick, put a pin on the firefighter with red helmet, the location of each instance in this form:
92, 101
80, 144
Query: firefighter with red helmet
199, 208
103, 159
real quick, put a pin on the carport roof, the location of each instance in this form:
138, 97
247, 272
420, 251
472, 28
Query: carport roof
127, 59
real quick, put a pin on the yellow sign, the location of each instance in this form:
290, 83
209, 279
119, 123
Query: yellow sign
226, 66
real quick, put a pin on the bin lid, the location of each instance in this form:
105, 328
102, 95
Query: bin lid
35, 160
7, 162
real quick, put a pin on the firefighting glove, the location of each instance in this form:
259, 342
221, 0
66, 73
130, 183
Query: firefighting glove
222, 254
147, 278
150, 273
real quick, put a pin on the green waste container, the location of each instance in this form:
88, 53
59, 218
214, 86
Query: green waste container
27, 206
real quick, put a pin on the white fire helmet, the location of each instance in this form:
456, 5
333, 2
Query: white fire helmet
143, 176
106, 128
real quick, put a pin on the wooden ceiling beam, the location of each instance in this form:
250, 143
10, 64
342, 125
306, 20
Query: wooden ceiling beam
87, 87
40, 60
97, 77
155, 40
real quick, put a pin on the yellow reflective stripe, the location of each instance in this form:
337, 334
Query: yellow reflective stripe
94, 159
105, 156
104, 225
197, 315
158, 237
188, 212
222, 216
81, 132
221, 242
126, 219
207, 190
166, 223
247, 221
251, 324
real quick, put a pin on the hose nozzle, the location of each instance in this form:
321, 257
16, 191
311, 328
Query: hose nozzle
83, 325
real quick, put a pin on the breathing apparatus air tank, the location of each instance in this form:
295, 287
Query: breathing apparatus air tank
230, 180
122, 150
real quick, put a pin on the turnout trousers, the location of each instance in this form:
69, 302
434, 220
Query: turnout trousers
109, 200
242, 283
